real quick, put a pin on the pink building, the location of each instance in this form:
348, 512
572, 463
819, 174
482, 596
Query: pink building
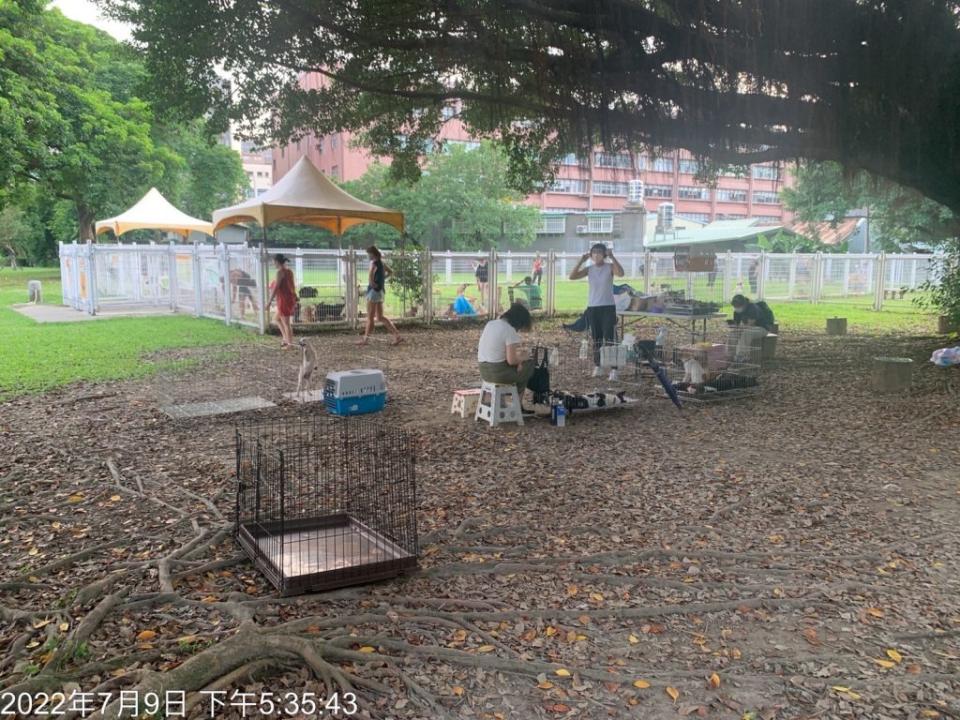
598, 184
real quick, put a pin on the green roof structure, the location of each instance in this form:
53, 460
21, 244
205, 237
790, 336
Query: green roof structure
718, 235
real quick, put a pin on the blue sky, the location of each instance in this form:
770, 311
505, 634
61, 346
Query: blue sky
86, 11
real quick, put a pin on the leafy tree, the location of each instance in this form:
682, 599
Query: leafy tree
872, 84
73, 129
461, 202
899, 216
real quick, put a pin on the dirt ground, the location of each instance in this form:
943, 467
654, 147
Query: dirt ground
794, 555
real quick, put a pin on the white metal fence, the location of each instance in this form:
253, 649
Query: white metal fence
229, 282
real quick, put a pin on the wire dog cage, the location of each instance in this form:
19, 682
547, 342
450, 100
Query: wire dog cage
325, 502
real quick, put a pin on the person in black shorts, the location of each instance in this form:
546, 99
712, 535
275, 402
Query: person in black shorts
482, 274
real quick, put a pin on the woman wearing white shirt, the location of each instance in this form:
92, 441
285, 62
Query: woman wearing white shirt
601, 309
500, 352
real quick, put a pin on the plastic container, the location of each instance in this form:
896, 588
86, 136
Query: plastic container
355, 392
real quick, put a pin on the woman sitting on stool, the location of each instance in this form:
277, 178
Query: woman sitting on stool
500, 352
750, 326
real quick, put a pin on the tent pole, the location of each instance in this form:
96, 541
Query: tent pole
264, 282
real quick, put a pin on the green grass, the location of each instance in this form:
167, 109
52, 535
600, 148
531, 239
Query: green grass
35, 357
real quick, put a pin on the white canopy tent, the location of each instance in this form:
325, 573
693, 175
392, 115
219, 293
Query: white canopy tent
154, 212
306, 196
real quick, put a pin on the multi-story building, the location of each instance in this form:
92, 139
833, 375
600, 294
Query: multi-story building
588, 195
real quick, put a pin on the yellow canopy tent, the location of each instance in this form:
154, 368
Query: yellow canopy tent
304, 195
154, 212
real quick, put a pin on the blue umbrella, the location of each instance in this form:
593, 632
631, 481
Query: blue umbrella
661, 373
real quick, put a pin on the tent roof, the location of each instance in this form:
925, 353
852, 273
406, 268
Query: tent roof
153, 212
305, 195
719, 233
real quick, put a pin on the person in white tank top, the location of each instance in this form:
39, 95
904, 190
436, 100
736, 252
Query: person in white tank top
601, 310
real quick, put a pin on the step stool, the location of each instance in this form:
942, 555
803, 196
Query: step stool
465, 401
490, 405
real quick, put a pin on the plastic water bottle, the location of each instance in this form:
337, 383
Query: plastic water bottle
584, 349
561, 416
661, 337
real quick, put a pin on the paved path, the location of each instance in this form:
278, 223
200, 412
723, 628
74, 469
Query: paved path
62, 313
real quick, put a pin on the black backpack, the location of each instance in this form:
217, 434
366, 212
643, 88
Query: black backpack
539, 382
764, 315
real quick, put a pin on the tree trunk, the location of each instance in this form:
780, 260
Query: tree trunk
86, 223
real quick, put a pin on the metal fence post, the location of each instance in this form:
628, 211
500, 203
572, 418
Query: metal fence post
197, 281
551, 309
225, 282
492, 284
172, 270
426, 265
350, 292
647, 272
817, 278
448, 268
881, 282
727, 275
792, 277
761, 274
298, 267
509, 255
91, 278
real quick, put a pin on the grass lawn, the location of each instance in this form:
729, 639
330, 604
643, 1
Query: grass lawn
35, 357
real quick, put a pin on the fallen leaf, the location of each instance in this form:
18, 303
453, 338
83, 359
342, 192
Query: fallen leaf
571, 636
33, 551
913, 669
562, 672
875, 612
145, 635
841, 688
929, 713
367, 649
714, 680
572, 590
735, 654
673, 693
611, 686
633, 639
558, 708
64, 626
885, 663
641, 684
894, 655
75, 498
584, 619
33, 643
550, 631
486, 648
545, 685
41, 623
114, 498
596, 597
775, 539
810, 634
457, 690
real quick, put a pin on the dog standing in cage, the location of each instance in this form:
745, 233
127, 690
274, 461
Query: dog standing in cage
308, 366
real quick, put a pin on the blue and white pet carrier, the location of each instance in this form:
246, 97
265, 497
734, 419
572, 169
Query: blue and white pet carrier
355, 392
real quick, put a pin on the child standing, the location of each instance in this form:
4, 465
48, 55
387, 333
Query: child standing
376, 291
601, 312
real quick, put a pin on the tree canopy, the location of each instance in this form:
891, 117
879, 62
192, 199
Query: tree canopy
872, 84
462, 202
81, 143
900, 217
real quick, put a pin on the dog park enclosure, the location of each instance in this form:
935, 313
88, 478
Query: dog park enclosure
199, 278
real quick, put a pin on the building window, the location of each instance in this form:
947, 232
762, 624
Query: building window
333, 142
766, 198
658, 191
690, 192
766, 172
731, 195
552, 225
568, 185
563, 211
600, 223
768, 219
689, 167
570, 159
612, 160
604, 187
696, 217
730, 216
662, 164
335, 172
448, 111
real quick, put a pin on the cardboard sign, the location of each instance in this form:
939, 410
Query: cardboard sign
685, 261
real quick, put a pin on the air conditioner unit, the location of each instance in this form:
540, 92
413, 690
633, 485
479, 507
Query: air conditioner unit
582, 229
635, 191
665, 217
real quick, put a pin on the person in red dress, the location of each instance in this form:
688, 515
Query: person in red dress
285, 292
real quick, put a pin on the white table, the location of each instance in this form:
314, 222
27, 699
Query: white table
688, 323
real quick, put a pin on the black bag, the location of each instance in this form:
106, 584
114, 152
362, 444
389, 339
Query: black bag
765, 317
539, 382
308, 292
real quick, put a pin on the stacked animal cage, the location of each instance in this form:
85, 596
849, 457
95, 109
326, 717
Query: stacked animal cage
725, 365
325, 502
